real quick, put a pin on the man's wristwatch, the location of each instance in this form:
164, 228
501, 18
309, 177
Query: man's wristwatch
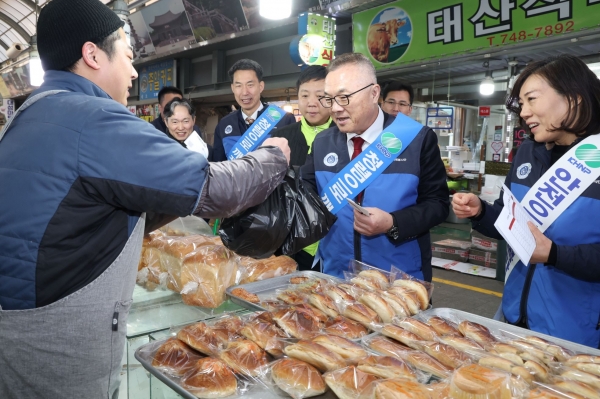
393, 233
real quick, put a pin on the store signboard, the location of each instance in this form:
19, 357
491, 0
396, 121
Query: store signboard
485, 111
410, 31
154, 77
315, 44
145, 112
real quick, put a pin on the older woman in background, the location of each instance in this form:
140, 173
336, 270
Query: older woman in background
558, 292
180, 116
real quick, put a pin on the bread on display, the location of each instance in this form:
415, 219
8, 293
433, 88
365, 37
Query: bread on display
418, 328
244, 357
445, 354
461, 343
386, 367
475, 381
203, 338
350, 351
423, 361
344, 327
348, 383
401, 335
210, 378
297, 323
174, 357
443, 326
416, 287
387, 347
362, 314
375, 276
375, 302
476, 332
317, 355
399, 389
297, 378
245, 295
324, 303
266, 335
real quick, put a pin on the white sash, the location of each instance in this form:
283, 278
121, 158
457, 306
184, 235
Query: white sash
559, 187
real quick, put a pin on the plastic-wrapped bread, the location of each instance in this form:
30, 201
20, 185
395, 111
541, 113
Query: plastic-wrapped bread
324, 303
244, 357
173, 252
298, 323
550, 393
378, 304
375, 276
174, 357
386, 346
317, 355
583, 359
409, 297
365, 284
210, 378
386, 367
344, 327
419, 328
423, 361
401, 335
476, 332
245, 295
349, 382
291, 297
297, 378
203, 338
265, 335
252, 270
350, 351
418, 288
396, 389
206, 274
445, 354
316, 313
362, 314
582, 376
461, 343
337, 294
539, 372
578, 388
560, 353
443, 327
592, 368
398, 305
475, 381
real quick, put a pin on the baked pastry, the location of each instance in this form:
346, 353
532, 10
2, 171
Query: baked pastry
540, 373
265, 335
398, 305
317, 355
522, 372
244, 357
504, 348
386, 346
461, 343
245, 295
592, 368
174, 357
291, 297
206, 274
515, 359
375, 276
439, 390
530, 352
560, 353
297, 323
401, 335
350, 351
445, 354
362, 314
582, 376
583, 359
399, 389
324, 303
365, 284
231, 324
443, 327
378, 304
416, 287
338, 294
299, 279
348, 383
386, 367
344, 327
314, 312
409, 297
424, 362
210, 378
297, 378
256, 270
545, 393
475, 381
173, 252
497, 363
579, 388
202, 338
419, 328
476, 332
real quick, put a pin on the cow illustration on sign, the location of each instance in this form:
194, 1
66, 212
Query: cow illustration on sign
390, 34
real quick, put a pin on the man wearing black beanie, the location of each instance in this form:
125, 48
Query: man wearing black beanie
79, 173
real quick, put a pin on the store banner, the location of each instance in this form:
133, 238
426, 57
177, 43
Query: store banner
154, 77
411, 31
145, 112
315, 43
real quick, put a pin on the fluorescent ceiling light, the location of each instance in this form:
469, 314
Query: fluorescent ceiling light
275, 9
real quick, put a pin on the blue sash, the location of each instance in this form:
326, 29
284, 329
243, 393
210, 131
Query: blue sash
257, 132
366, 167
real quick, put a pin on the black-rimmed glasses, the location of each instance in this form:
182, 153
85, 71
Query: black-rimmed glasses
342, 100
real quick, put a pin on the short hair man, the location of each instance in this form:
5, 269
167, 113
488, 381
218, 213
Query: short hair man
397, 97
300, 136
79, 172
404, 201
247, 84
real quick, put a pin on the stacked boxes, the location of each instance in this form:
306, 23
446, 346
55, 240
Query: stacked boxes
451, 249
483, 251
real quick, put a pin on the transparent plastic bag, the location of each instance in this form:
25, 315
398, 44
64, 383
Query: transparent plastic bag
185, 226
212, 378
174, 357
344, 327
251, 270
297, 322
481, 382
389, 388
245, 357
389, 367
349, 382
424, 289
296, 378
384, 278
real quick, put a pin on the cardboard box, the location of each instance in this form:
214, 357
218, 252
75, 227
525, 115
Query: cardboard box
483, 258
451, 249
482, 242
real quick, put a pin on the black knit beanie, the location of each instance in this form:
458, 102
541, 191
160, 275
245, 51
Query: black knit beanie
65, 25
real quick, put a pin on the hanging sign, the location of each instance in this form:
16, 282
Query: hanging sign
315, 43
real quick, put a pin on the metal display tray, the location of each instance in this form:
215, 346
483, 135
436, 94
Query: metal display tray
265, 289
499, 328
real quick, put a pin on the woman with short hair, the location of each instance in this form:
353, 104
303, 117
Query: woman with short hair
180, 116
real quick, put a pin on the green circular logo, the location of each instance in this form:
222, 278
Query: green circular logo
389, 141
274, 114
590, 154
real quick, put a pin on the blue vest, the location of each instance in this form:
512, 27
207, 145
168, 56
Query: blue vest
396, 188
547, 299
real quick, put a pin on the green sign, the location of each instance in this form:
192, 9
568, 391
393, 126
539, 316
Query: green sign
315, 44
409, 31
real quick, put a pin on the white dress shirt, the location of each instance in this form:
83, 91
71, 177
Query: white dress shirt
255, 114
369, 135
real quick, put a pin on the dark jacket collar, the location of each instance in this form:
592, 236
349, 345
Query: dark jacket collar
61, 80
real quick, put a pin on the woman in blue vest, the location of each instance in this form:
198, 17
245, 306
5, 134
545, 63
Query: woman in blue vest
558, 292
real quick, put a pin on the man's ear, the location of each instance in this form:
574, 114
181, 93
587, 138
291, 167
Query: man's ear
89, 52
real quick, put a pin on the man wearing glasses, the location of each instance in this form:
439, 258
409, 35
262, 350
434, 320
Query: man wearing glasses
397, 97
408, 198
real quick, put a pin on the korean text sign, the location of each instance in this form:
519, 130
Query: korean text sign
154, 77
409, 31
315, 44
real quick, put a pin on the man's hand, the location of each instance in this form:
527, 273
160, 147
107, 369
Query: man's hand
542, 245
378, 222
466, 205
281, 143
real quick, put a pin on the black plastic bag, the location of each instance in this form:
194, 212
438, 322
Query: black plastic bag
291, 218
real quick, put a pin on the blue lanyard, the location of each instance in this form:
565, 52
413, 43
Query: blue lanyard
257, 132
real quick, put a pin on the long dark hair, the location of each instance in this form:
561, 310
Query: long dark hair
572, 79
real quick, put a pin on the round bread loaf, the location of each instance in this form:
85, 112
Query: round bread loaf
297, 378
350, 351
386, 367
244, 357
210, 378
174, 357
202, 338
349, 382
265, 335
478, 382
317, 355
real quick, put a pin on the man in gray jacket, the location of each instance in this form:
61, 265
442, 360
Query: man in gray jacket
78, 174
